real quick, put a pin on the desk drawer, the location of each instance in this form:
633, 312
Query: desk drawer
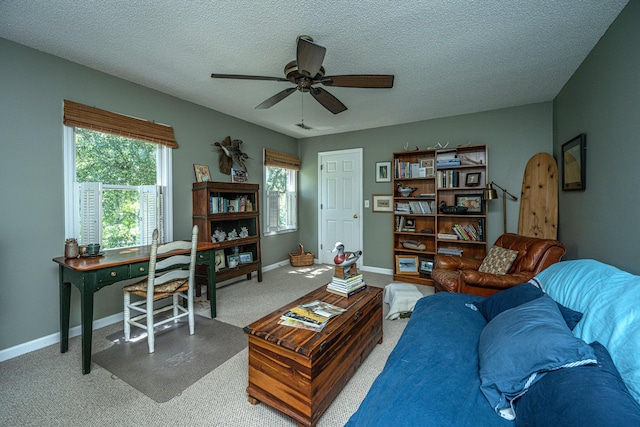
139, 269
203, 256
113, 274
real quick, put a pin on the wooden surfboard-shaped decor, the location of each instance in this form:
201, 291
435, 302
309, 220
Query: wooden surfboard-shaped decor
539, 199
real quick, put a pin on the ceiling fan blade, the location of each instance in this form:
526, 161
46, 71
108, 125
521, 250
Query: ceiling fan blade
309, 57
276, 98
381, 81
327, 100
243, 77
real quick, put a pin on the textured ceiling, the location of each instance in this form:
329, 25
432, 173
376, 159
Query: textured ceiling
449, 57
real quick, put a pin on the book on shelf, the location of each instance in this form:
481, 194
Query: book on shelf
447, 236
466, 232
402, 208
450, 251
347, 294
312, 316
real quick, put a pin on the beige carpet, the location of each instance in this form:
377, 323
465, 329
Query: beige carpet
46, 387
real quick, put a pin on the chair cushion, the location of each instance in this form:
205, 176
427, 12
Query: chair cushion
518, 295
520, 345
592, 395
164, 288
498, 260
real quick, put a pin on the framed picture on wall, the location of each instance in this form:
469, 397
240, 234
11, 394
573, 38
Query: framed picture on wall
383, 171
382, 203
574, 163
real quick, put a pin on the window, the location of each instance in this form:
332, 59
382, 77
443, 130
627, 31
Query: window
281, 192
116, 190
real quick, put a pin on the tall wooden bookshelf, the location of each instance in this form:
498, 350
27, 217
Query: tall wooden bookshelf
230, 207
455, 177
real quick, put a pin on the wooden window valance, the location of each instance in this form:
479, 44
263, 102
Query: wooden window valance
84, 116
281, 160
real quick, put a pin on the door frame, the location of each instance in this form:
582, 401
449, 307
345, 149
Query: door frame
321, 154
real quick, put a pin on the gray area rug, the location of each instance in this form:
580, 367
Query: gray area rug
179, 359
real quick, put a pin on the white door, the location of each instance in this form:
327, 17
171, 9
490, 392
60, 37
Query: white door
340, 210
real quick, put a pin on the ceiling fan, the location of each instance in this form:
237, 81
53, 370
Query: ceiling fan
307, 71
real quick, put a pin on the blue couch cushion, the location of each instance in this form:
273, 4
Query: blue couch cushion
592, 395
609, 298
431, 376
520, 345
517, 295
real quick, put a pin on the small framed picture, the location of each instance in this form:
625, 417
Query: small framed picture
245, 257
473, 202
233, 260
406, 264
383, 171
574, 164
472, 179
426, 266
429, 165
219, 258
382, 203
239, 175
202, 173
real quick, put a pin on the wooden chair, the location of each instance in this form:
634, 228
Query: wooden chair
167, 278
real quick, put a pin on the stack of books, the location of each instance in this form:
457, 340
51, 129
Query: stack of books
346, 286
450, 251
312, 316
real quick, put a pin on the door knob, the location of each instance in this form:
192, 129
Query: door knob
355, 215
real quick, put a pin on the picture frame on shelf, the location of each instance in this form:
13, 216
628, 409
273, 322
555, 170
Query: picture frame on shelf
407, 264
239, 175
429, 164
426, 266
382, 203
202, 173
245, 257
472, 179
233, 260
383, 171
473, 203
220, 260
574, 159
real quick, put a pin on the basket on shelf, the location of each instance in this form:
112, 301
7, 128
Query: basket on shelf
300, 258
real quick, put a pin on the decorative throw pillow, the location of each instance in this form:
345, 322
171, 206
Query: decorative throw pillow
520, 345
498, 260
593, 395
491, 306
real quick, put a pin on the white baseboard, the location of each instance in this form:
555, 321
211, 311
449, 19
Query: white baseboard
39, 343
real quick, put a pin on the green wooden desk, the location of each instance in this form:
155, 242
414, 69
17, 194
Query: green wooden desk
91, 274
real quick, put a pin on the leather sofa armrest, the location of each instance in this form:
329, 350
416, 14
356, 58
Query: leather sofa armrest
456, 263
496, 281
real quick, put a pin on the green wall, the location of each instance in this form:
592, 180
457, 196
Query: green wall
602, 99
33, 86
513, 136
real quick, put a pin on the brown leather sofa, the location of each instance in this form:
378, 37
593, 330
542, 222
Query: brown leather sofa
458, 274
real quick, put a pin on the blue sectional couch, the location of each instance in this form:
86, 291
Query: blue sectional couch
563, 349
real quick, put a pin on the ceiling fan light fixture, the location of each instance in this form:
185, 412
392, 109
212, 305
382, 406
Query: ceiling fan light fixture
307, 70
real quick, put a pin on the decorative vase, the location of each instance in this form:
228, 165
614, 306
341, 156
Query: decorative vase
71, 250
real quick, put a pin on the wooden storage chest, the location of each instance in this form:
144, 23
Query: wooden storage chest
300, 372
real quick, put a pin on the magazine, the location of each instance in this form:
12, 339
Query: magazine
312, 316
